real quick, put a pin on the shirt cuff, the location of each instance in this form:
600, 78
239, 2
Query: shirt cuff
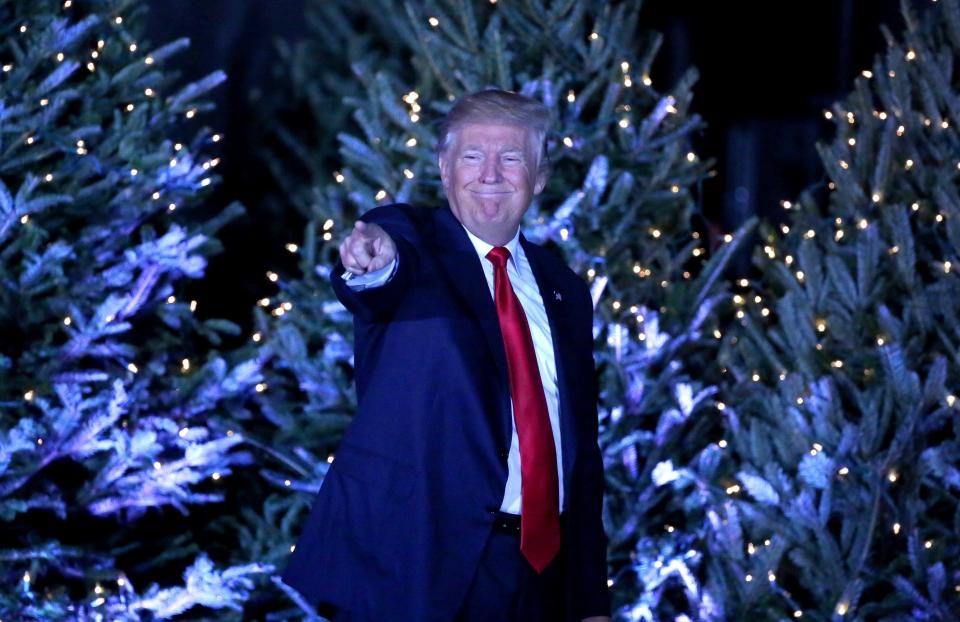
371, 279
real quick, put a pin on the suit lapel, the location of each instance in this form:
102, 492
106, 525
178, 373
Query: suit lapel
555, 301
460, 262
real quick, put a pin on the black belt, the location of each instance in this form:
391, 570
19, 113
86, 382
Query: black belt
504, 522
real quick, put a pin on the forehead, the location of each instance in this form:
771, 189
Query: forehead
489, 134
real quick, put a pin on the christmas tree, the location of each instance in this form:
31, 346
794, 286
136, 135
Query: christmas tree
842, 418
112, 396
620, 205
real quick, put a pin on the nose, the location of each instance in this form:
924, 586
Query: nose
490, 171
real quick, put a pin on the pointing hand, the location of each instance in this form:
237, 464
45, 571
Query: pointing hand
367, 248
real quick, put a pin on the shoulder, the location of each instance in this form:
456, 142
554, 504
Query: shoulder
403, 219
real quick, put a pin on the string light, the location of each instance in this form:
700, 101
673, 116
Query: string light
433, 21
28, 395
261, 387
843, 471
827, 114
193, 305
908, 165
798, 614
892, 476
928, 544
896, 529
842, 608
257, 337
132, 367
722, 444
594, 36
148, 60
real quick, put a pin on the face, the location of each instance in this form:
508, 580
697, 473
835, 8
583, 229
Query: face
490, 177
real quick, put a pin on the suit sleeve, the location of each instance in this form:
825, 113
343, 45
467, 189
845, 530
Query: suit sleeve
589, 555
378, 303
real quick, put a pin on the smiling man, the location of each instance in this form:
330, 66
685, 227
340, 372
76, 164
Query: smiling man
469, 485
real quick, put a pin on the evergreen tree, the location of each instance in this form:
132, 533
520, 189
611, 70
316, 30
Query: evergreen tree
843, 418
620, 205
113, 424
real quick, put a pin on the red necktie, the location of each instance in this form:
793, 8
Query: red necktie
539, 489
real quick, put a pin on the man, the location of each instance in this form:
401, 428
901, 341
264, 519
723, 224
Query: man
469, 485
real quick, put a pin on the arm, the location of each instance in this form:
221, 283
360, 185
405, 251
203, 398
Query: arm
589, 554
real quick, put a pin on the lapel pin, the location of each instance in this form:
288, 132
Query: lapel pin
557, 295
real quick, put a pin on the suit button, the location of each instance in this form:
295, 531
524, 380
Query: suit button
503, 453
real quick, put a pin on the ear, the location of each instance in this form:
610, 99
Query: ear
444, 171
540, 182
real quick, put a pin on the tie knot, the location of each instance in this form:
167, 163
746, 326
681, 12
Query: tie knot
498, 256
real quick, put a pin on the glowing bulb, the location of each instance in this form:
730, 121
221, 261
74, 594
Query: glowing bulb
433, 21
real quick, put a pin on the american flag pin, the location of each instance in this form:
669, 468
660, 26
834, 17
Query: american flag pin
557, 295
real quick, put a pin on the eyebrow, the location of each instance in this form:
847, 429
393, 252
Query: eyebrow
506, 149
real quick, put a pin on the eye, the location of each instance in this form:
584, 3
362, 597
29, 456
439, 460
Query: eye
471, 157
512, 159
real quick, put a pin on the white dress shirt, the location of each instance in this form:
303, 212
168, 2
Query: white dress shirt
525, 286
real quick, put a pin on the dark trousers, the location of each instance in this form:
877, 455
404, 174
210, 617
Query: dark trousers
505, 587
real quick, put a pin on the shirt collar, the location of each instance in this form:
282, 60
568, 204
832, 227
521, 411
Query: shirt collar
483, 248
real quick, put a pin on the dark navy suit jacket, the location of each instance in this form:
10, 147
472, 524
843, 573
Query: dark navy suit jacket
403, 514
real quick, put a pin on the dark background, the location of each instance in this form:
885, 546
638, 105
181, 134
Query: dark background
768, 70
